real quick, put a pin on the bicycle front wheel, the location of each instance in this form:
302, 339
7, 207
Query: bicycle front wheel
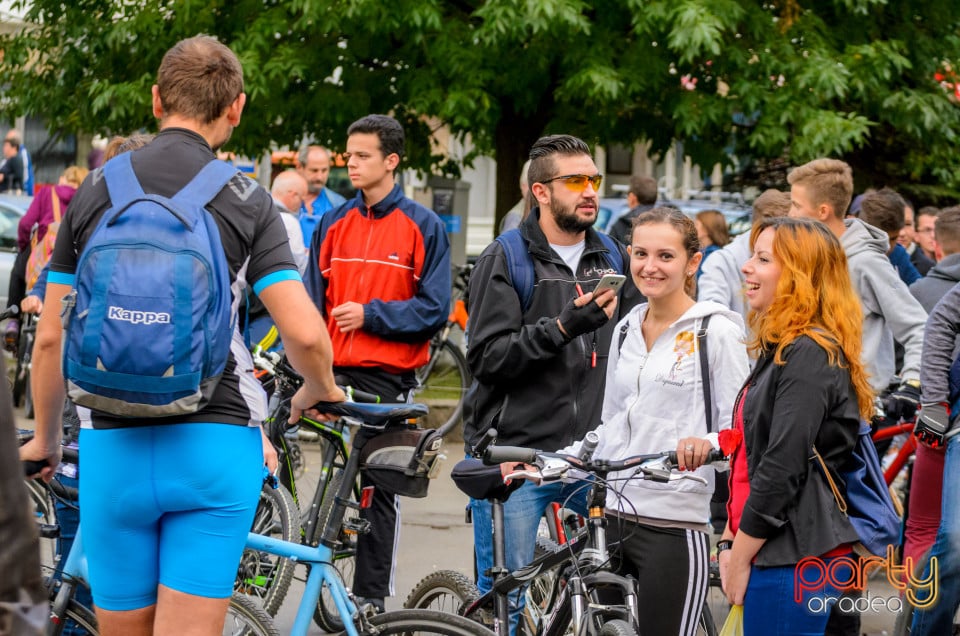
80, 620
443, 382
422, 621
617, 628
445, 591
706, 626
244, 618
264, 575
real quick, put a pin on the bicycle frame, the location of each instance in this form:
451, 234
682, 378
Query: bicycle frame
906, 451
580, 608
320, 558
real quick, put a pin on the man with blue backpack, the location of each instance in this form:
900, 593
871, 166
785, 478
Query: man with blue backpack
149, 268
539, 338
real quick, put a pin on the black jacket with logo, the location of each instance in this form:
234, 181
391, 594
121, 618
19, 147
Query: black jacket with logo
535, 388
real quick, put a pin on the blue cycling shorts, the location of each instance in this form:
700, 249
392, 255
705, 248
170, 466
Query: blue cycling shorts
168, 505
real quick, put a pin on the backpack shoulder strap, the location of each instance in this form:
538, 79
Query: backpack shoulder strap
211, 179
705, 370
122, 183
55, 201
519, 265
614, 256
623, 335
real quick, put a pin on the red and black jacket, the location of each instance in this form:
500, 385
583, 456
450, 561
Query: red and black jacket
394, 259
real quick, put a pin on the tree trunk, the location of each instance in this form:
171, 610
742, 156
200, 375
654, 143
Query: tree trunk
514, 137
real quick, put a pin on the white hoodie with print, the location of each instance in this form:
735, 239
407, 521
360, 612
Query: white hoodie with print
654, 398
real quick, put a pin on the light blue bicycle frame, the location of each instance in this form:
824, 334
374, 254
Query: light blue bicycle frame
322, 573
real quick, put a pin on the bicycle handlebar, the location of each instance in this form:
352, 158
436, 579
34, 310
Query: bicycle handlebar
10, 312
32, 466
555, 466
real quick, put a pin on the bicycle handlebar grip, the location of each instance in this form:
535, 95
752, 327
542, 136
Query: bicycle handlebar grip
488, 438
10, 312
713, 456
33, 466
500, 454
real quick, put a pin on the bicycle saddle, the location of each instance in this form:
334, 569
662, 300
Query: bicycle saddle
376, 415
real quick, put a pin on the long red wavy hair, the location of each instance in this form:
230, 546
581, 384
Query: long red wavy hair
814, 298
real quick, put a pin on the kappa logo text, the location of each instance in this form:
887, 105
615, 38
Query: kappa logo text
138, 317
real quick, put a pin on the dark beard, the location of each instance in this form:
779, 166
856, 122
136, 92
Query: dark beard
568, 221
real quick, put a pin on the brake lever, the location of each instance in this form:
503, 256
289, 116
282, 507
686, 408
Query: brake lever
696, 478
531, 475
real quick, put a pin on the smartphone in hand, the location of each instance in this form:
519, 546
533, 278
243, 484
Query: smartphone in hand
610, 281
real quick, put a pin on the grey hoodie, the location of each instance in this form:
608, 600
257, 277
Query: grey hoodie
889, 310
722, 280
938, 281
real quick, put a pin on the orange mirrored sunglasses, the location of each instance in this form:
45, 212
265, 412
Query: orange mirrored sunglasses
578, 182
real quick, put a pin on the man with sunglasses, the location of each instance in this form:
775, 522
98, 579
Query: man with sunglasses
539, 368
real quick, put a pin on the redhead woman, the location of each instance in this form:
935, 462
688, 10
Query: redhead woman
808, 389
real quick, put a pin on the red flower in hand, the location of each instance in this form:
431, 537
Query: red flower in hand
730, 440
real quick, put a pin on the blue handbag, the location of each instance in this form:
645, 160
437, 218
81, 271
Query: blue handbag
867, 503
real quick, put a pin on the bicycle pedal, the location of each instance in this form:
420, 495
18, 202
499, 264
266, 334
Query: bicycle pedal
356, 526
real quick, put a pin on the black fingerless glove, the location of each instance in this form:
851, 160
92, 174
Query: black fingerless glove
932, 423
580, 320
902, 403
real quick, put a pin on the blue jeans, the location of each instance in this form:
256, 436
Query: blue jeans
938, 619
770, 606
521, 518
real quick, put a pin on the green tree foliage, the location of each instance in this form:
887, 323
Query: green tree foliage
729, 78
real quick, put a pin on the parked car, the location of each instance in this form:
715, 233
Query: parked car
737, 214
12, 209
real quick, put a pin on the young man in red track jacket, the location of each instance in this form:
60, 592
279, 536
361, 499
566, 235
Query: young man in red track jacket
379, 271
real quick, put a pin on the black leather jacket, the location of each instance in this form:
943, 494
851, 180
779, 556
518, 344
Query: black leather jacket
536, 389
787, 410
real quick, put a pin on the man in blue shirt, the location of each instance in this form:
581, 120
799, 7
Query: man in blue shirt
313, 163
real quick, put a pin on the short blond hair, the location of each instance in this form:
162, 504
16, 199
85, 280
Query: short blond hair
827, 182
74, 175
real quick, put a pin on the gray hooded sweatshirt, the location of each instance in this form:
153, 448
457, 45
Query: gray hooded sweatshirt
889, 310
939, 280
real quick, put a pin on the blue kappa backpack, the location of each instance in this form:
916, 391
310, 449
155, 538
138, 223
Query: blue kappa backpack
521, 268
149, 321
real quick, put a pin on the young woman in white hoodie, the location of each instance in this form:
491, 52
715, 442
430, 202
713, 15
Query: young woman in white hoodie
654, 401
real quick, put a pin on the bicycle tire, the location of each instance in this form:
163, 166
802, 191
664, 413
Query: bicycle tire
24, 346
79, 616
326, 615
538, 595
28, 410
444, 590
424, 621
617, 627
45, 512
263, 575
244, 618
444, 381
706, 626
